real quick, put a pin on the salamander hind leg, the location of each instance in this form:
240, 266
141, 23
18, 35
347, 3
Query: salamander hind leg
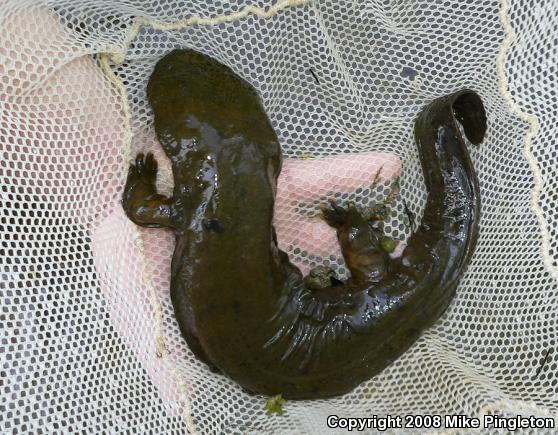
321, 277
360, 243
141, 202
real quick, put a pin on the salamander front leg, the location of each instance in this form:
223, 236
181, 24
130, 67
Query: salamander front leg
141, 202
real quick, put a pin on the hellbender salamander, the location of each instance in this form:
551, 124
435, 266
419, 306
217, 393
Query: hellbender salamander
243, 308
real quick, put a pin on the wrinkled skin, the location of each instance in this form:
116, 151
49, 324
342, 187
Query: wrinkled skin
243, 308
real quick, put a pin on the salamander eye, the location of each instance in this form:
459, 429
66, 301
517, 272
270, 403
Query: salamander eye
213, 225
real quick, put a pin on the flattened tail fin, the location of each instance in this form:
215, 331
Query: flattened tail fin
468, 109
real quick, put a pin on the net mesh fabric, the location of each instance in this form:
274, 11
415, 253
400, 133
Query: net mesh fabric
89, 341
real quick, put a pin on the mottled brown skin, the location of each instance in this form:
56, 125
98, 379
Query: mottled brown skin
243, 308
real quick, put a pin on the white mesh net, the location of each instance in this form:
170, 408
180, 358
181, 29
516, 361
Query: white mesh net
88, 337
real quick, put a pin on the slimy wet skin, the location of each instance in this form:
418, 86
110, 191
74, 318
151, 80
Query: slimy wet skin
243, 308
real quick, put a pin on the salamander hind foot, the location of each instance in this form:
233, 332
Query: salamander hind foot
360, 243
321, 277
335, 215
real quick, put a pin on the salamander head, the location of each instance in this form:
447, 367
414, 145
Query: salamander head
196, 98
